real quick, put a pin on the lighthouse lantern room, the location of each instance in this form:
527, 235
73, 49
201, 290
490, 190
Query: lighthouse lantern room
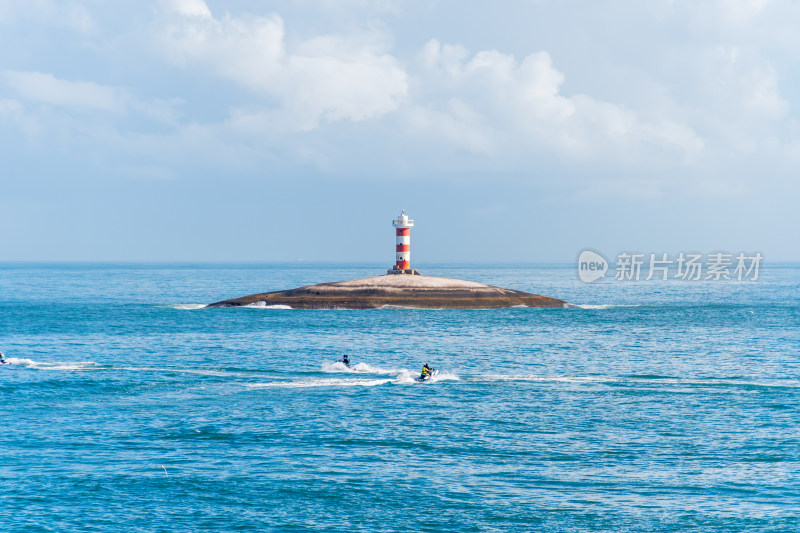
403, 226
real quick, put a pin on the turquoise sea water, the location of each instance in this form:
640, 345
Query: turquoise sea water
659, 406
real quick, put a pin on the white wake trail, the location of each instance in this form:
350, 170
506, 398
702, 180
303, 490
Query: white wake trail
361, 368
50, 365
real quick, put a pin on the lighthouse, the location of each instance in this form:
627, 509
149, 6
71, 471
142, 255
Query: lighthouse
403, 226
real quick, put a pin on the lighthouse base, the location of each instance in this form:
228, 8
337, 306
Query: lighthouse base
410, 271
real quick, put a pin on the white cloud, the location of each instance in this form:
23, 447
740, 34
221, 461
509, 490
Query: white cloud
455, 123
83, 97
13, 118
518, 105
488, 103
9, 107
47, 89
732, 95
700, 99
191, 8
744, 81
327, 78
734, 14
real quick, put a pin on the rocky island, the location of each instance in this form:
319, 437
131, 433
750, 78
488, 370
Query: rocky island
402, 286
396, 290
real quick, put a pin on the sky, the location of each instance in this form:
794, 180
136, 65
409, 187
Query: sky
510, 131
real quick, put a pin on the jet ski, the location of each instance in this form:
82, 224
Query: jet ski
345, 361
428, 376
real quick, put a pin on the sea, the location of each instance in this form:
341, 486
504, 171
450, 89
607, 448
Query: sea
649, 406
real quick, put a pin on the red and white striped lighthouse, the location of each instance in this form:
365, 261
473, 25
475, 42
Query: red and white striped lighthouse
403, 227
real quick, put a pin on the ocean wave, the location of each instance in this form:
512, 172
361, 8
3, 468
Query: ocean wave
403, 377
407, 377
604, 306
50, 365
643, 379
193, 371
187, 307
410, 307
325, 382
491, 378
362, 368
263, 305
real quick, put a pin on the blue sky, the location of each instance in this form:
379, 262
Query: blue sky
510, 131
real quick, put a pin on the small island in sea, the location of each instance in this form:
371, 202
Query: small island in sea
404, 290
400, 287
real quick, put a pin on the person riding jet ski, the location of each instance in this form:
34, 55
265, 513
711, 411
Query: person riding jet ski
426, 372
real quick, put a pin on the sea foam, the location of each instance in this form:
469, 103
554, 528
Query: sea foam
187, 307
50, 365
363, 368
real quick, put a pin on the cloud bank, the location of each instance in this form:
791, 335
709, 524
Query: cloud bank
326, 78
238, 85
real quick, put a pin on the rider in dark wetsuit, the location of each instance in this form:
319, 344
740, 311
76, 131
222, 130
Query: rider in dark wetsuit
2, 359
345, 360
